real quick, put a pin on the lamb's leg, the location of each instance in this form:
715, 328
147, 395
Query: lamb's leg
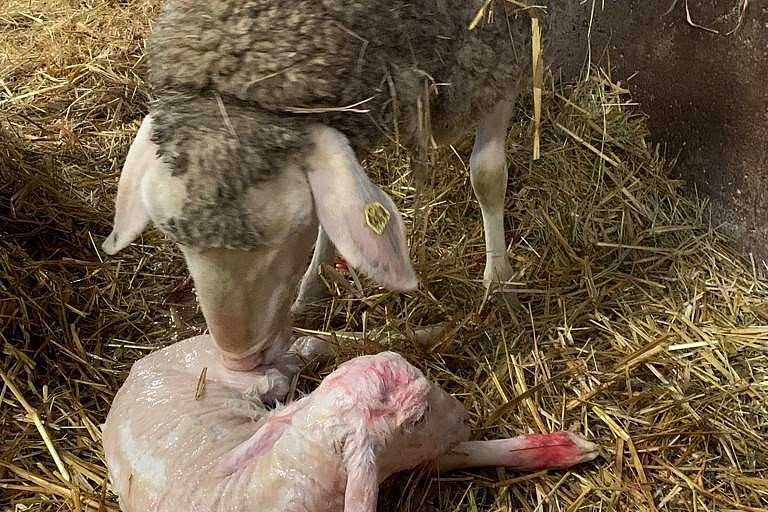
488, 173
531, 452
312, 287
303, 350
275, 380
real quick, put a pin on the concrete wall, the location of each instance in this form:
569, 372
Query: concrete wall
706, 94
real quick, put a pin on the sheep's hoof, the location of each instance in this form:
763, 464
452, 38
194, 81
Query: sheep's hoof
271, 387
498, 279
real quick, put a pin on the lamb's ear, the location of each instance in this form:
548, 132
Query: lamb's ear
362, 490
261, 442
131, 216
361, 220
254, 447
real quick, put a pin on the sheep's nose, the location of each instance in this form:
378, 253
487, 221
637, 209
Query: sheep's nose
242, 363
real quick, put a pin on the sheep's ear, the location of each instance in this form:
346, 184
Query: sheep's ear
362, 490
131, 216
361, 220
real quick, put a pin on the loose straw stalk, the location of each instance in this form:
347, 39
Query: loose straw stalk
32, 413
537, 66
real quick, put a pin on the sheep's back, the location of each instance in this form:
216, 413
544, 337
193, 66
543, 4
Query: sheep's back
317, 57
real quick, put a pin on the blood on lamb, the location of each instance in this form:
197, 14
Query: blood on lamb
174, 441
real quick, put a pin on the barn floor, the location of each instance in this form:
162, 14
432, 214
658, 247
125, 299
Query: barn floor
637, 325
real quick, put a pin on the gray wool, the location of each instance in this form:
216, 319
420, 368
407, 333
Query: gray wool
237, 82
222, 149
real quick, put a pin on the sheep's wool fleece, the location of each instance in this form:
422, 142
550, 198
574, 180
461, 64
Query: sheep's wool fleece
237, 82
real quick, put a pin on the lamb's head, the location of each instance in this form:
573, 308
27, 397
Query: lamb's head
392, 418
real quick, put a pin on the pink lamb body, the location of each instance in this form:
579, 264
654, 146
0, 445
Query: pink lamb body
172, 444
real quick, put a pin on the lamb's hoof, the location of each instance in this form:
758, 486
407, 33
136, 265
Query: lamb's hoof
586, 450
312, 347
271, 387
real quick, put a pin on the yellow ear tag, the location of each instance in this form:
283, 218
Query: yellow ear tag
376, 216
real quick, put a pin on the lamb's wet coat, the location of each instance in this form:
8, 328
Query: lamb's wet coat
169, 449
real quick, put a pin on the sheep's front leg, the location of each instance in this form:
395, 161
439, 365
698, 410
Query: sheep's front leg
488, 173
312, 287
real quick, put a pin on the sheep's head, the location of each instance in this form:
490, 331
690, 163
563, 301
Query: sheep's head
396, 419
242, 191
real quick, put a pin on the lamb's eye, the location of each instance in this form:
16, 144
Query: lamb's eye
422, 417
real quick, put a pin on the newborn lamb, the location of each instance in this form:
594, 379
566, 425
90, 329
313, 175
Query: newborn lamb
172, 443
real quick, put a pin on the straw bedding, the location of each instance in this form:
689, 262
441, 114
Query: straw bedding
636, 323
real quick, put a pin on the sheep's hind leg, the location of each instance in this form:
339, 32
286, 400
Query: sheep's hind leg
312, 287
488, 173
